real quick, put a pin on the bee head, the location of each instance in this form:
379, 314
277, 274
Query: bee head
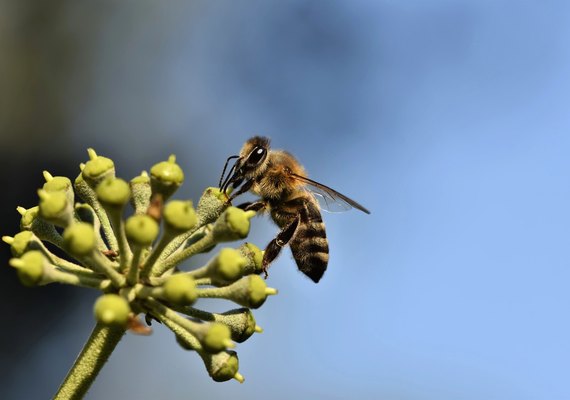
252, 161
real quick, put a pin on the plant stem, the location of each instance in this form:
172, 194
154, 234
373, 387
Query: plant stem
95, 353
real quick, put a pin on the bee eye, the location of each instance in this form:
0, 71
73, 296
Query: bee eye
256, 155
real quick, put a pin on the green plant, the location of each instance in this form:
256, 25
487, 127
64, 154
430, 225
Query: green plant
134, 262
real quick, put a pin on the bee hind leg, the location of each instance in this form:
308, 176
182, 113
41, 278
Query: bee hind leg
274, 247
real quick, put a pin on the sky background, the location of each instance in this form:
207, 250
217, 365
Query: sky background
447, 119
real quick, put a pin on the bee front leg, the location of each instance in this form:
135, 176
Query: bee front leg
244, 188
274, 247
254, 206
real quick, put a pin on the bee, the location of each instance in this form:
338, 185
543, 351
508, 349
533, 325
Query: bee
290, 197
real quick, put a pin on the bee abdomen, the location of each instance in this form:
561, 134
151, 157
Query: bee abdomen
311, 250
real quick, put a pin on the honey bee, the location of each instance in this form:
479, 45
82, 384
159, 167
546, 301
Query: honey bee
290, 198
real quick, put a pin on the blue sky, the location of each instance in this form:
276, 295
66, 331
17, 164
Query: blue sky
448, 120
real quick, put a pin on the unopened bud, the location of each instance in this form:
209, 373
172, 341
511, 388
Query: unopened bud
30, 267
180, 289
166, 177
79, 239
112, 309
97, 169
141, 230
232, 225
179, 216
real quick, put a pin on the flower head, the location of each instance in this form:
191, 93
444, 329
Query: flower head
136, 262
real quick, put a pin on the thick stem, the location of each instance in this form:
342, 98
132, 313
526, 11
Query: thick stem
95, 353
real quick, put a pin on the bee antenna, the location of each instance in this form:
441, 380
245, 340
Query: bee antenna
225, 167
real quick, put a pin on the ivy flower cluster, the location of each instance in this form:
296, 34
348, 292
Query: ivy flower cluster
135, 262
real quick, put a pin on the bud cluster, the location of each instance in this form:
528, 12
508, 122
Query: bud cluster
135, 261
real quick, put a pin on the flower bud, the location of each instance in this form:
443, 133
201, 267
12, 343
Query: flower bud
29, 216
54, 207
41, 228
179, 216
211, 205
222, 366
254, 257
215, 337
30, 267
112, 310
140, 192
241, 323
250, 291
113, 193
56, 184
166, 177
227, 266
141, 230
180, 289
232, 225
97, 169
79, 239
59, 184
19, 243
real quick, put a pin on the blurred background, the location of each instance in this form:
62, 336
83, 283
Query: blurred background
448, 119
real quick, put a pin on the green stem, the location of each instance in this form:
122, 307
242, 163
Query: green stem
53, 275
177, 242
171, 319
133, 273
95, 353
153, 256
118, 227
105, 224
102, 265
197, 247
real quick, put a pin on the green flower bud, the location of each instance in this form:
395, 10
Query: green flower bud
179, 216
79, 239
232, 225
113, 193
222, 366
97, 169
215, 337
227, 267
19, 243
54, 207
254, 257
250, 291
30, 267
28, 217
112, 310
140, 193
241, 323
180, 289
42, 229
141, 230
166, 177
211, 205
59, 184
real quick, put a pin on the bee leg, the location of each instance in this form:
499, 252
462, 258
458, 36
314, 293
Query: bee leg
274, 247
254, 206
244, 188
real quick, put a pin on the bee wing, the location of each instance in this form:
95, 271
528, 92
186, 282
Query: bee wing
329, 199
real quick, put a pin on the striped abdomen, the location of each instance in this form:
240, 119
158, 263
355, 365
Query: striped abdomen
309, 244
